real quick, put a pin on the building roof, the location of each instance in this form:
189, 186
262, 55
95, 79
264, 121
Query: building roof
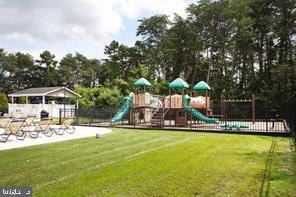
178, 84
142, 83
201, 86
46, 91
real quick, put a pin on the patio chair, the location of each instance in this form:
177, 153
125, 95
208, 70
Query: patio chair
42, 127
67, 126
4, 121
29, 120
13, 128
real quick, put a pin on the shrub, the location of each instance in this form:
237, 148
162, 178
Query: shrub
108, 98
101, 97
3, 102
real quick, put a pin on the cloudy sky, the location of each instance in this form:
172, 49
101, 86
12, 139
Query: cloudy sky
85, 26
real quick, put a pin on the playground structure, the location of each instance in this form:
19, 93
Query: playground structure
139, 105
186, 109
180, 110
176, 109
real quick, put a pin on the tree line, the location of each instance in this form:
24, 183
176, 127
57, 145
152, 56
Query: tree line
240, 47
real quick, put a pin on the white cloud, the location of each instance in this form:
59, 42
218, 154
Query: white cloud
133, 8
51, 21
59, 20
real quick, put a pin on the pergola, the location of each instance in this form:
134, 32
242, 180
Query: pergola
40, 95
43, 92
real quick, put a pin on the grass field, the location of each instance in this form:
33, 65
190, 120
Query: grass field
155, 163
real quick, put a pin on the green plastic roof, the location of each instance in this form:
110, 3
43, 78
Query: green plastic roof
142, 83
201, 86
179, 84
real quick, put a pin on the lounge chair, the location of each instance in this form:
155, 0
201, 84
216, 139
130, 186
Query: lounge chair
42, 127
13, 128
27, 127
29, 120
67, 126
4, 121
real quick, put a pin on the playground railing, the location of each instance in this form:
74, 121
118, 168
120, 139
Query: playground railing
235, 118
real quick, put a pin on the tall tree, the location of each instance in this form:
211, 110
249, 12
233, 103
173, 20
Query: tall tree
47, 70
152, 33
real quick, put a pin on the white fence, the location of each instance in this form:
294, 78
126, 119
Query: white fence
23, 110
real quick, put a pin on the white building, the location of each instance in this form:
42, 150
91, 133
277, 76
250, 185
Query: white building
44, 98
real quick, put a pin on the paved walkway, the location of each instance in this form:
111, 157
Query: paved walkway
81, 132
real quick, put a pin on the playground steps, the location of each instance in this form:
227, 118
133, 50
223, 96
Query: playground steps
158, 118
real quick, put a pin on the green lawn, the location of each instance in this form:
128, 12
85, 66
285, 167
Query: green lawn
155, 163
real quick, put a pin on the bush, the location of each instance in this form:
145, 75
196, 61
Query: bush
87, 96
108, 98
3, 102
101, 97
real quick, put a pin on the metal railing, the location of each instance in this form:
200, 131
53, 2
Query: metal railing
235, 118
89, 116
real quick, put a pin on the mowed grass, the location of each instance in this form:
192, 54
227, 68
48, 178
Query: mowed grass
155, 163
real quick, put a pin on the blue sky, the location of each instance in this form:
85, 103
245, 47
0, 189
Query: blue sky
68, 26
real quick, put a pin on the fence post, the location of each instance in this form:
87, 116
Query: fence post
253, 109
191, 118
110, 116
266, 120
60, 116
226, 114
89, 117
134, 118
76, 115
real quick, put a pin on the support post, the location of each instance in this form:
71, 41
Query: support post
64, 102
182, 98
222, 106
207, 103
43, 100
77, 104
12, 100
170, 105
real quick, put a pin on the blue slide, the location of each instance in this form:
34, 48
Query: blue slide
126, 105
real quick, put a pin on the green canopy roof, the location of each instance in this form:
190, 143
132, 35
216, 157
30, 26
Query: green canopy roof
142, 83
201, 86
179, 84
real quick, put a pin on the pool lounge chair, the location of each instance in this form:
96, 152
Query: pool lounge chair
29, 120
42, 127
4, 121
13, 128
67, 126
